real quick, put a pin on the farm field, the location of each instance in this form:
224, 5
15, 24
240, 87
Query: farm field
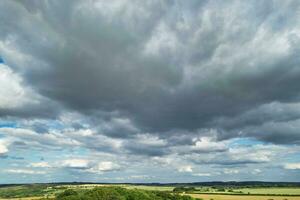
290, 191
144, 187
241, 197
39, 191
127, 186
267, 190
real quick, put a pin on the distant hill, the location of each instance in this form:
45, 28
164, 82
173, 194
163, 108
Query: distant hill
214, 183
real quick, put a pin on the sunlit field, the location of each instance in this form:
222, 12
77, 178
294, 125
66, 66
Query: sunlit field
295, 191
127, 186
42, 191
242, 197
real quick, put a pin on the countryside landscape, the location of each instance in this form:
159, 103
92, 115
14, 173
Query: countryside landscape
149, 100
190, 191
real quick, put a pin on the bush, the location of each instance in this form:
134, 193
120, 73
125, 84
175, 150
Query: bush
184, 189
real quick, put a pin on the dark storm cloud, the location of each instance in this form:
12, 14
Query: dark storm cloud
161, 66
45, 109
146, 150
231, 162
282, 132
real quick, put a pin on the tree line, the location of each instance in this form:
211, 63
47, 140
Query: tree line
118, 193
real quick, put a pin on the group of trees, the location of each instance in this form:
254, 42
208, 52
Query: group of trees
117, 193
184, 189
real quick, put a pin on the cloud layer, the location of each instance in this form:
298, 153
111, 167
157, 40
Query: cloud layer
195, 85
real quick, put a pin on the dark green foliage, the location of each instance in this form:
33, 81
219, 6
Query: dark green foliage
117, 193
184, 189
67, 193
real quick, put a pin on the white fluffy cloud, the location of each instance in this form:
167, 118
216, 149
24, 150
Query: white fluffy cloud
209, 144
3, 148
202, 174
292, 166
4, 145
231, 171
25, 171
40, 165
185, 168
75, 163
12, 94
104, 166
88, 165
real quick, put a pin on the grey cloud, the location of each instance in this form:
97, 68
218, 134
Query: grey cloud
147, 145
137, 149
271, 112
274, 122
234, 163
235, 156
162, 66
281, 132
44, 109
28, 139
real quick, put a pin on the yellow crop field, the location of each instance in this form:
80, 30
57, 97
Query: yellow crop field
294, 191
242, 197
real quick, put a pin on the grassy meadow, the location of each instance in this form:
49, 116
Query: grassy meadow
50, 191
290, 191
242, 197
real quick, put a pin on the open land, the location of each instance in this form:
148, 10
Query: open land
219, 192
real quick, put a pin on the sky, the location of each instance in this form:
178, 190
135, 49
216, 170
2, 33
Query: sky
149, 91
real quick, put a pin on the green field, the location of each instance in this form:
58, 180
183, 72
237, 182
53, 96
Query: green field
38, 191
143, 187
242, 197
127, 186
289, 191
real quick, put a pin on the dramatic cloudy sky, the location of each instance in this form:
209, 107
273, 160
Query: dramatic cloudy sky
149, 91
